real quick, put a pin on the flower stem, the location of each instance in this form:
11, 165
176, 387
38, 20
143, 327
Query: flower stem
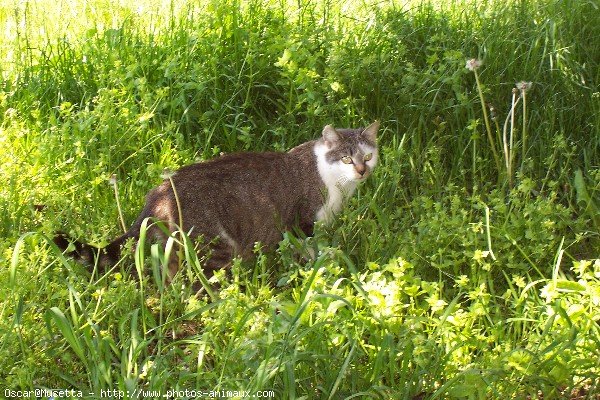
524, 134
113, 180
487, 123
508, 143
179, 212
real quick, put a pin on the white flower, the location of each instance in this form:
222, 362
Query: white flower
473, 64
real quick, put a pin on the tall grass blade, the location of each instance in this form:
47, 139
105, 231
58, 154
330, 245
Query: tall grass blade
342, 372
65, 327
585, 200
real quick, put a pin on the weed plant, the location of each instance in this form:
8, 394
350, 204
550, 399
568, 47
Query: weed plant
467, 267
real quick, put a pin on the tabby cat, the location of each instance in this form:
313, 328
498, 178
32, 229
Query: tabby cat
239, 199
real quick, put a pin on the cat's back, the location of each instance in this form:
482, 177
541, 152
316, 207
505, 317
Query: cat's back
232, 167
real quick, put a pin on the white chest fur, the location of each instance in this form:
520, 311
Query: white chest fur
338, 184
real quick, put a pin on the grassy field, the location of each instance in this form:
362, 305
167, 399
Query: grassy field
468, 267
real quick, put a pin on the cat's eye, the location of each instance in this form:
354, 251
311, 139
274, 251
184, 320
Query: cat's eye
367, 157
347, 160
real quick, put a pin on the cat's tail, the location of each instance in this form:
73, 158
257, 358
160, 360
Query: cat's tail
89, 255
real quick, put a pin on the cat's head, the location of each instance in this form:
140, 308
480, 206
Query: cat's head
350, 154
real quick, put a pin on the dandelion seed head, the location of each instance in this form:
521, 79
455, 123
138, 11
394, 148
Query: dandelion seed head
167, 173
523, 86
113, 179
473, 64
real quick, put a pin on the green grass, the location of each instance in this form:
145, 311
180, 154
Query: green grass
445, 276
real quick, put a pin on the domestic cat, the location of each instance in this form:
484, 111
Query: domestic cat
239, 199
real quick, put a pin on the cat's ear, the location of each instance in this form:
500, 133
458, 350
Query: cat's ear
370, 131
330, 134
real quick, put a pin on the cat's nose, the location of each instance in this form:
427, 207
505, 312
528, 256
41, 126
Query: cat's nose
361, 169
